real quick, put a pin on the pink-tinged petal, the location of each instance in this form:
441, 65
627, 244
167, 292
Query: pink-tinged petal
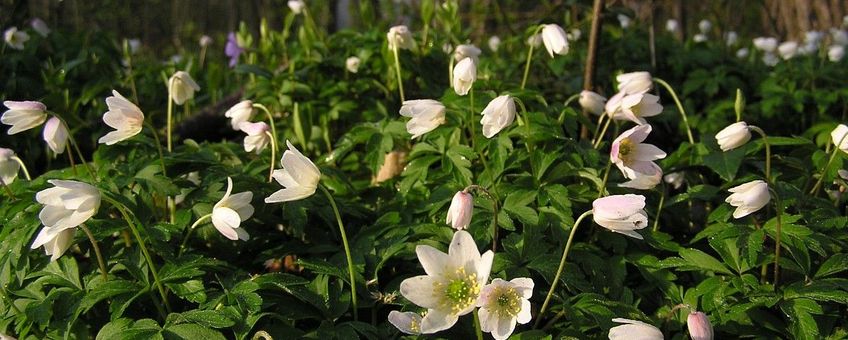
254, 129
488, 320
647, 152
419, 290
434, 261
27, 105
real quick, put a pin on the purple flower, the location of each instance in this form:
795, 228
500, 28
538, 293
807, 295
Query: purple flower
232, 49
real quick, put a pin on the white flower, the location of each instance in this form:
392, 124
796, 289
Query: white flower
770, 59
240, 113
635, 159
535, 40
426, 114
574, 34
835, 53
55, 242
840, 37
228, 213
699, 326
460, 211
634, 330
467, 51
748, 198
733, 136
400, 37
182, 87
705, 26
40, 27
299, 177
502, 304
622, 214
134, 45
813, 37
765, 44
126, 118
624, 21
635, 82
9, 167
498, 114
464, 75
452, 284
731, 38
788, 49
447, 48
634, 107
205, 40
67, 204
554, 39
672, 25
257, 138
592, 102
699, 38
14, 38
352, 64
742, 53
296, 6
839, 136
675, 179
407, 322
23, 116
645, 179
494, 43
56, 135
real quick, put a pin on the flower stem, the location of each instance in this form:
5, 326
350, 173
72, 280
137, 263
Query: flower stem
599, 137
97, 253
524, 119
833, 154
71, 159
158, 148
601, 119
23, 167
126, 215
273, 138
778, 207
346, 249
561, 267
603, 186
477, 329
679, 107
170, 113
768, 151
8, 190
494, 209
529, 58
74, 143
561, 118
659, 209
450, 71
471, 126
397, 71
188, 232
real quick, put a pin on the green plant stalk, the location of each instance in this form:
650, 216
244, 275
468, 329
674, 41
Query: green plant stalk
471, 124
659, 209
158, 148
524, 119
529, 58
397, 71
768, 151
601, 120
8, 190
679, 107
494, 209
450, 71
170, 113
778, 206
23, 167
144, 251
477, 329
603, 186
100, 261
273, 138
600, 136
561, 118
561, 267
188, 232
346, 249
71, 159
833, 154
74, 143
130, 73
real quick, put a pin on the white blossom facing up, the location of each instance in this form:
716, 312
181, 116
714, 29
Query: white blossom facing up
503, 304
123, 116
635, 158
352, 64
230, 211
498, 114
298, 176
426, 114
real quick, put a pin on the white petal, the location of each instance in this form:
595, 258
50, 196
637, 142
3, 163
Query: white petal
434, 262
419, 290
290, 194
463, 251
524, 315
437, 320
225, 220
504, 329
116, 136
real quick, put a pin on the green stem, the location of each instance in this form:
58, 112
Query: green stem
273, 156
450, 70
23, 167
600, 136
524, 119
529, 58
601, 119
273, 138
659, 209
778, 207
158, 148
768, 151
494, 209
603, 186
827, 165
679, 107
477, 329
170, 113
561, 118
471, 125
346, 249
74, 143
131, 74
97, 253
71, 159
561, 267
8, 190
190, 229
126, 215
397, 71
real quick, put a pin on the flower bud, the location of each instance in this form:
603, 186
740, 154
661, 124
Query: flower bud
499, 114
9, 167
699, 326
400, 37
633, 329
835, 53
426, 114
748, 198
460, 211
733, 136
592, 102
839, 135
56, 135
352, 64
494, 43
555, 39
182, 87
621, 214
296, 6
739, 105
464, 75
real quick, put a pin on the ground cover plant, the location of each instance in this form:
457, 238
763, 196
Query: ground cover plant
405, 181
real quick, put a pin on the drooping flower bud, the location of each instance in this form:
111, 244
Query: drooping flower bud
699, 326
460, 211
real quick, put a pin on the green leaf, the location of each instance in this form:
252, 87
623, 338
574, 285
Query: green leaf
834, 264
191, 290
191, 331
701, 260
725, 164
207, 318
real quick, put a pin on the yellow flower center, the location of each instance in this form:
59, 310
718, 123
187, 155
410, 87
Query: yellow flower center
507, 301
625, 148
414, 326
459, 292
